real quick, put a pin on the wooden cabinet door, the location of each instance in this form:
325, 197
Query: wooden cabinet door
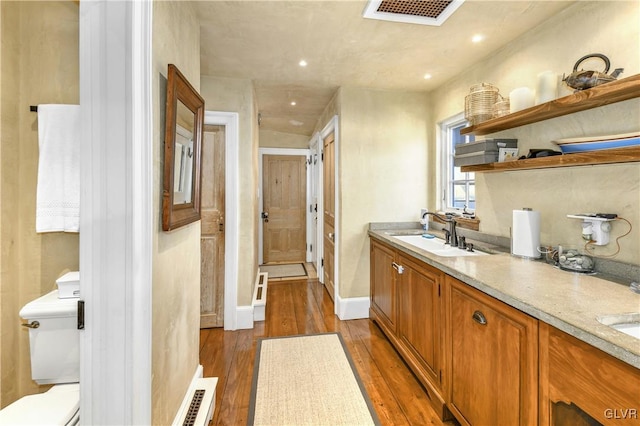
582, 385
493, 359
383, 285
419, 324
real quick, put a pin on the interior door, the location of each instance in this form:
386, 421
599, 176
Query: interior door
329, 213
284, 190
212, 228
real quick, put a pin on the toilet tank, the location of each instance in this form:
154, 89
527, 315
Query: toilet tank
54, 344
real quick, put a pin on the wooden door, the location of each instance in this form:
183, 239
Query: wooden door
212, 228
329, 213
284, 183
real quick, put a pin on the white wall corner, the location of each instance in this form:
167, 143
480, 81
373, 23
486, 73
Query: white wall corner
352, 307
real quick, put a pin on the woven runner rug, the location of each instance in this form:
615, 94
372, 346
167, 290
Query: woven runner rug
284, 270
307, 380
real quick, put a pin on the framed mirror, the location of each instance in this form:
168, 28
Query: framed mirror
182, 149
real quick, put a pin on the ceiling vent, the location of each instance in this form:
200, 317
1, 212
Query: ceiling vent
424, 12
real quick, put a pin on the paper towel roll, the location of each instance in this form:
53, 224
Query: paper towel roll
525, 233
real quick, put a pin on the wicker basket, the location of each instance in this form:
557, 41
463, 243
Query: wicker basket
478, 104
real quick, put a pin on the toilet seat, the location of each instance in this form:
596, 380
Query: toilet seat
60, 405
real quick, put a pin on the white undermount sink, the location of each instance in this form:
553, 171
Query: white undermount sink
625, 323
436, 246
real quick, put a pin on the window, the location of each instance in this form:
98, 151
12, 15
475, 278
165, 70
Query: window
458, 188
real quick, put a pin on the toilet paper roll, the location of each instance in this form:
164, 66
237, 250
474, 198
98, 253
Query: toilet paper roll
525, 233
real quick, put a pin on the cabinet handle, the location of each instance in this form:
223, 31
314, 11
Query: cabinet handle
397, 267
479, 318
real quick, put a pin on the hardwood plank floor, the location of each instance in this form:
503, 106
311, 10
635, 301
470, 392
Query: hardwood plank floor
304, 307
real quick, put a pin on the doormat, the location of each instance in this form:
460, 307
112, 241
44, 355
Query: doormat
307, 380
285, 270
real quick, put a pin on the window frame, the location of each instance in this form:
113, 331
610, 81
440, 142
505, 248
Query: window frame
446, 167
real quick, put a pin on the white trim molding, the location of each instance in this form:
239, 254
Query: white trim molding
231, 121
353, 307
116, 200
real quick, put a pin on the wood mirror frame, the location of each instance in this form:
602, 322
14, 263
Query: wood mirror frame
184, 118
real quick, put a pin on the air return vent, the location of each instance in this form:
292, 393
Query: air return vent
198, 404
425, 12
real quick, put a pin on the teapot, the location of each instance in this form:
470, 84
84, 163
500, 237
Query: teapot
581, 80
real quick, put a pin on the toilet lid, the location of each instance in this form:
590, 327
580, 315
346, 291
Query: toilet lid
55, 407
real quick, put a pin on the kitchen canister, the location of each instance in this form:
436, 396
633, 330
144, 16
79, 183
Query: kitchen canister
525, 233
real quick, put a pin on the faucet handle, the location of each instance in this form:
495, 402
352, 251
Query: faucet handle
462, 244
447, 236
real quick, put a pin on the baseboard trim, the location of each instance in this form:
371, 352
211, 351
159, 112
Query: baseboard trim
353, 307
244, 317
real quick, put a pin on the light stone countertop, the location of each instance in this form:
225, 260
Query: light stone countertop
569, 301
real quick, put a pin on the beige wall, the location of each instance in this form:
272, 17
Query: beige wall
382, 170
586, 27
237, 95
272, 139
39, 65
176, 254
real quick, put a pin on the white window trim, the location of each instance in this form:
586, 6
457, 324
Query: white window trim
445, 162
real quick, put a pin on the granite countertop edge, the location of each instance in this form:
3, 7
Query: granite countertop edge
567, 317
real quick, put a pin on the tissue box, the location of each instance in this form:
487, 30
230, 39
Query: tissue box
481, 152
69, 285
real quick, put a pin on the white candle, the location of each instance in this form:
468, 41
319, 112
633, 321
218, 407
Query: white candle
520, 98
547, 87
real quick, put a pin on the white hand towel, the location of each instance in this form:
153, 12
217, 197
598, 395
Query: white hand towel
58, 193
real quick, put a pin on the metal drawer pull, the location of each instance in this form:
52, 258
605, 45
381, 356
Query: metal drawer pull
397, 267
479, 318
32, 324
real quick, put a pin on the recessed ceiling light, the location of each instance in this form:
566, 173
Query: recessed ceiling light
293, 103
477, 38
302, 63
427, 76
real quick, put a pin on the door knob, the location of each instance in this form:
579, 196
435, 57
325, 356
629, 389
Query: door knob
265, 216
331, 236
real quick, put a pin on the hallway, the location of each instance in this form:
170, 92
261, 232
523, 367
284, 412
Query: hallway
304, 307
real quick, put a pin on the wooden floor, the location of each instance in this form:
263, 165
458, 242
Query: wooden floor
304, 307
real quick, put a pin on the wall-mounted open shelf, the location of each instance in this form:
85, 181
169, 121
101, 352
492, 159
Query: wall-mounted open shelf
605, 94
609, 93
609, 156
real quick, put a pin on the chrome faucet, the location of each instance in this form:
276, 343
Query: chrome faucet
451, 234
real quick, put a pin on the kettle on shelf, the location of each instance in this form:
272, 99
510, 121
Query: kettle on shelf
581, 80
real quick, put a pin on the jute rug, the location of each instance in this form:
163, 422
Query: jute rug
307, 380
285, 270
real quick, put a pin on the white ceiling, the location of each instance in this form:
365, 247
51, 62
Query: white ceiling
264, 40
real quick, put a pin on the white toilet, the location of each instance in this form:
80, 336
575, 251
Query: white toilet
54, 345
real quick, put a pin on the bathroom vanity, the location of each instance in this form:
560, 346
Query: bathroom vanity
497, 339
